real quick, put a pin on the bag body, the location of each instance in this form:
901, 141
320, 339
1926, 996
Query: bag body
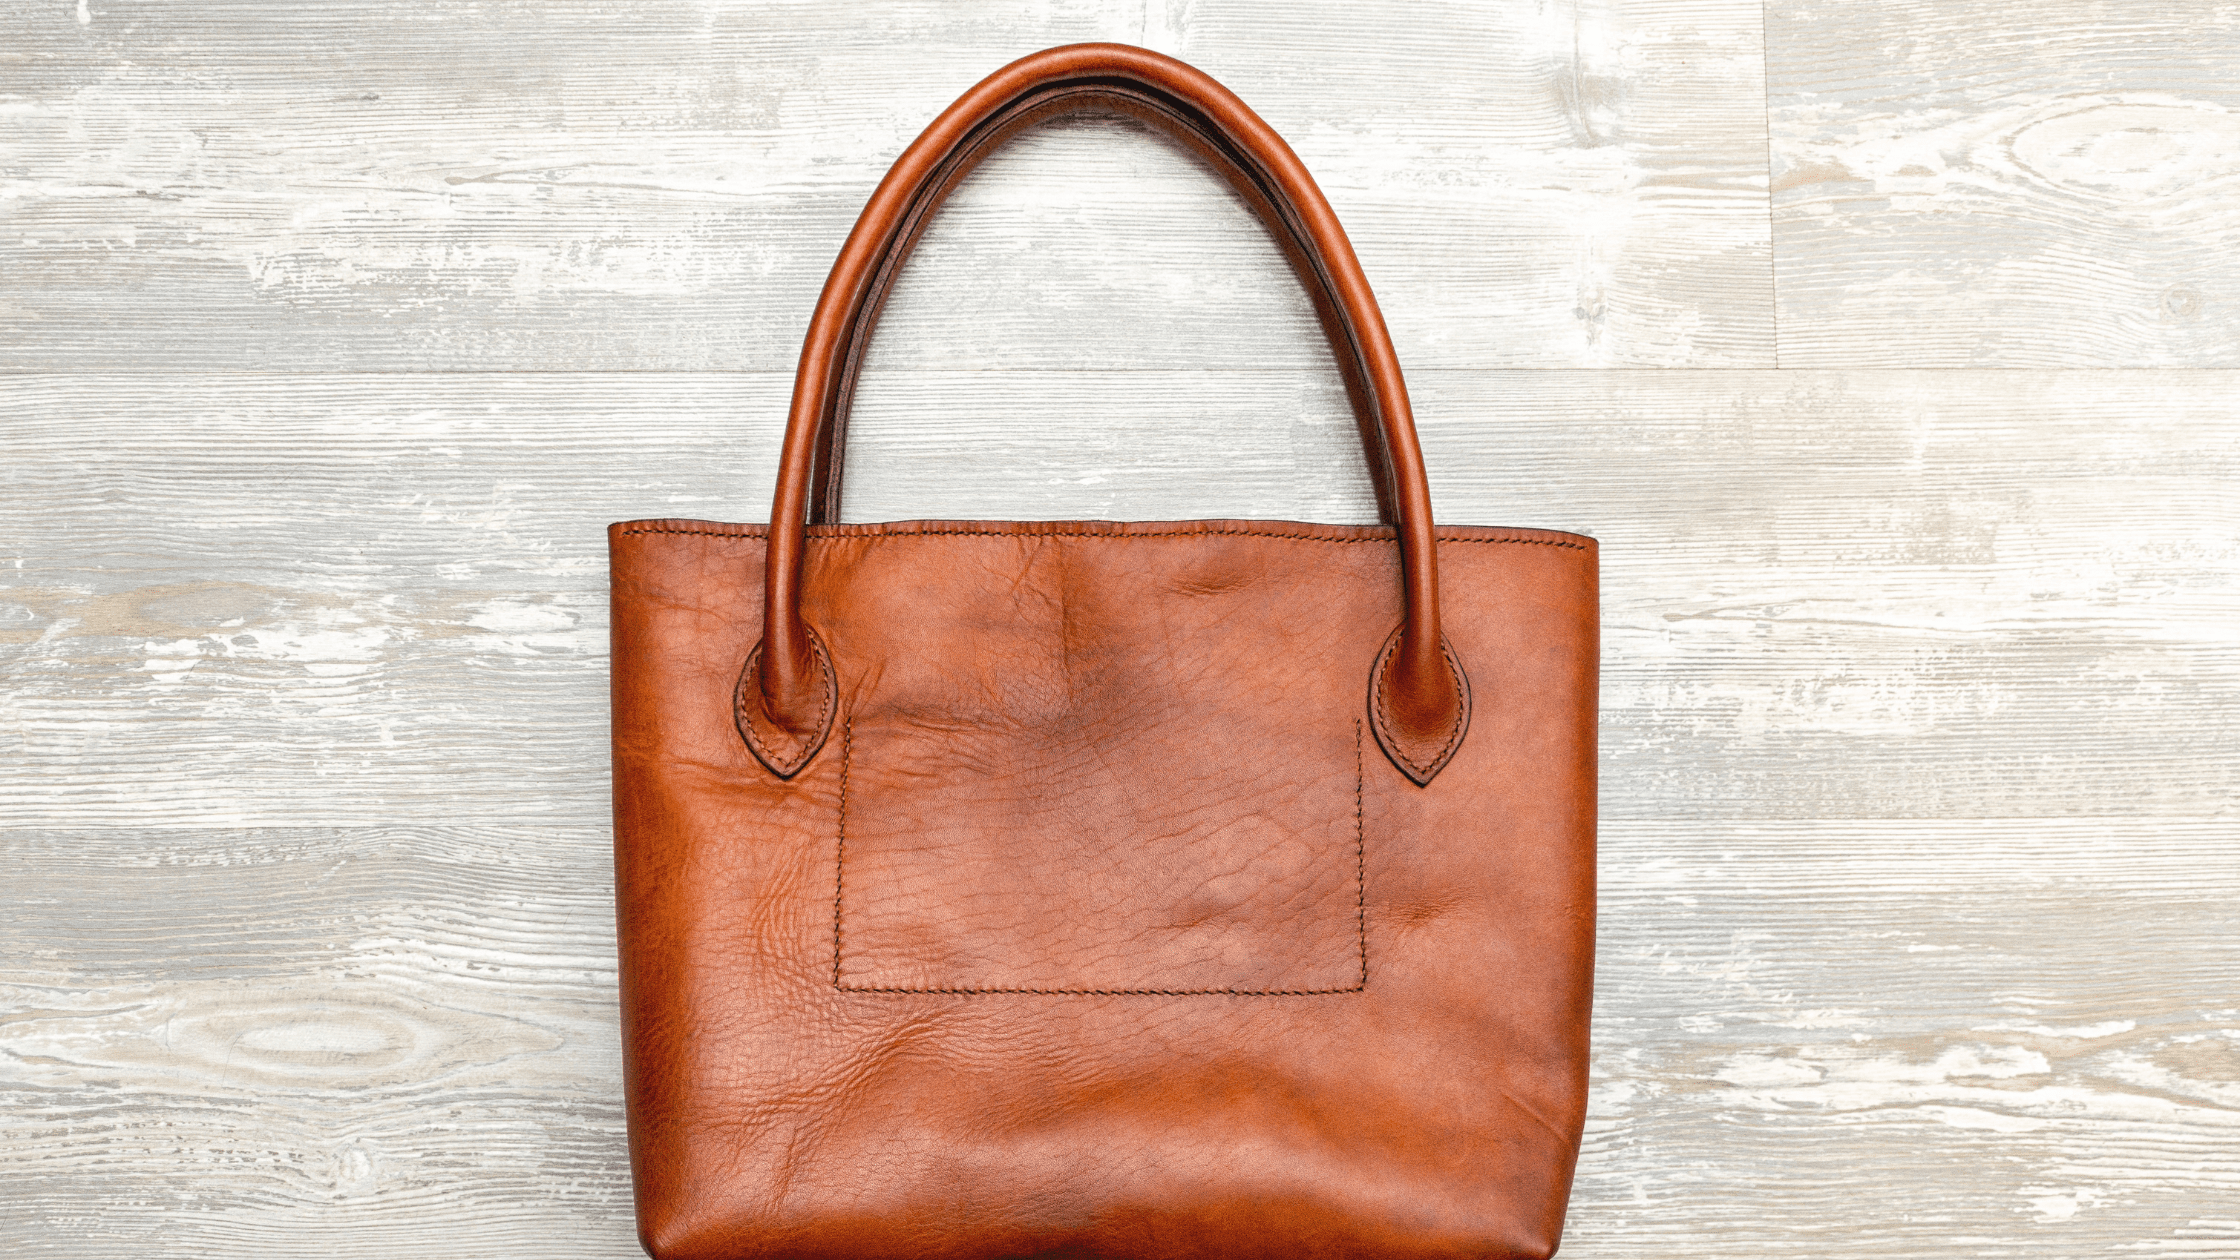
1150, 889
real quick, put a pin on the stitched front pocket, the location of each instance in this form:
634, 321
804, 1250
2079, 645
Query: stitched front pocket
1094, 764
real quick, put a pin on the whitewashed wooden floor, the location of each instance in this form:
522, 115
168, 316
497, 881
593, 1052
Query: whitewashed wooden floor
1887, 346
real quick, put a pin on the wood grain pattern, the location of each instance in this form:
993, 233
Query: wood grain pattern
660, 184
333, 334
2011, 185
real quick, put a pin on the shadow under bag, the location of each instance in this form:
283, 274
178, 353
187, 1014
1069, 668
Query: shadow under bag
1084, 888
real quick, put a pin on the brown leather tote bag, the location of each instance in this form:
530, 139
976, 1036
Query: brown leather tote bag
1093, 888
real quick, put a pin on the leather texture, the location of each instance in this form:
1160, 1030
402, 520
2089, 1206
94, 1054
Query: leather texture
1102, 889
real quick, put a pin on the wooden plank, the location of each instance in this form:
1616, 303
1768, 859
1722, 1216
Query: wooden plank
1530, 185
357, 601
380, 1042
381, 185
1923, 1037
1814, 1039
2006, 185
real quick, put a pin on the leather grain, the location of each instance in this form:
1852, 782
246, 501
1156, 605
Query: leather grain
1078, 905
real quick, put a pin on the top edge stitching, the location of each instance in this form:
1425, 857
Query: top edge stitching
1174, 533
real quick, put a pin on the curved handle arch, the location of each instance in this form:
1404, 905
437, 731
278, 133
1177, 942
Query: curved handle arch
1418, 696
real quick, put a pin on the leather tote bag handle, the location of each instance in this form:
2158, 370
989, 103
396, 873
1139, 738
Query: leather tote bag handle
1418, 695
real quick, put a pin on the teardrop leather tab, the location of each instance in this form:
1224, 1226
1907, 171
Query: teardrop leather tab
783, 750
1420, 756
